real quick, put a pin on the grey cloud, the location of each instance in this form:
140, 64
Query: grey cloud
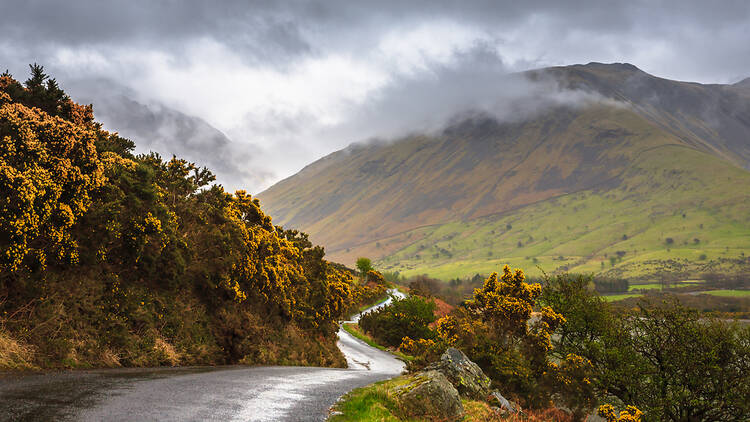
157, 128
279, 27
710, 37
679, 39
478, 82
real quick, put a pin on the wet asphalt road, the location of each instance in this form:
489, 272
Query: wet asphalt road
231, 393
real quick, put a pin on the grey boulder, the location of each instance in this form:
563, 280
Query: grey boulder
430, 394
464, 374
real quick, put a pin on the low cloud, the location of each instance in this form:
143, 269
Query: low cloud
256, 90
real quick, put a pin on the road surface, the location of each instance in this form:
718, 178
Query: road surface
232, 393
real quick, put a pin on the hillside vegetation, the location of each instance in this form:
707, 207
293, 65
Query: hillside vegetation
649, 181
110, 258
561, 352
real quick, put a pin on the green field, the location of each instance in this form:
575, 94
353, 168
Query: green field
614, 298
651, 224
649, 286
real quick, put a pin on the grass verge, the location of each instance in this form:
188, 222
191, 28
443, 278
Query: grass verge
377, 402
374, 402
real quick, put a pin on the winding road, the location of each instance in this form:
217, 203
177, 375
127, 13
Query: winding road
230, 393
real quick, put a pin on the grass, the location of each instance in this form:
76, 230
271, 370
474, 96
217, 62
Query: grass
658, 286
728, 293
377, 402
357, 332
614, 298
14, 355
367, 404
580, 232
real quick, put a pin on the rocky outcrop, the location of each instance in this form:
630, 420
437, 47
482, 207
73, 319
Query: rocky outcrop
464, 374
436, 391
430, 394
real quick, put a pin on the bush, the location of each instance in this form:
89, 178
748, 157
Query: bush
496, 330
669, 361
407, 317
111, 258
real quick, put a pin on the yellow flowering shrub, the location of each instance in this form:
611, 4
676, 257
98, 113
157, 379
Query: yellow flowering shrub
49, 168
508, 300
630, 414
122, 254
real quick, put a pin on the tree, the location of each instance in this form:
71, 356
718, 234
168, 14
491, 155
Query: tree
364, 265
671, 362
422, 285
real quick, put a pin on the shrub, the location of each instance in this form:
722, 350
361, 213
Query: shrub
667, 360
112, 258
407, 317
494, 330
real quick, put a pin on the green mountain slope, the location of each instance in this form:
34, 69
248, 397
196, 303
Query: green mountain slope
645, 185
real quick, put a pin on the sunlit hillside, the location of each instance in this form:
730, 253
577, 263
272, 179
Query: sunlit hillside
653, 182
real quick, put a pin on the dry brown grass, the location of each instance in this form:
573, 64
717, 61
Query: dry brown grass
481, 412
14, 354
166, 353
109, 358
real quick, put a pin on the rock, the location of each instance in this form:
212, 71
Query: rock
430, 394
497, 399
464, 374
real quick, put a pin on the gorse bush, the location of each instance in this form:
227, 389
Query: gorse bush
495, 328
409, 317
114, 258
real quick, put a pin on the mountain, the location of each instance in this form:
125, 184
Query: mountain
651, 177
154, 126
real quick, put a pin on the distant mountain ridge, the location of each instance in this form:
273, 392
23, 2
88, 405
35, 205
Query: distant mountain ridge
714, 117
402, 202
156, 127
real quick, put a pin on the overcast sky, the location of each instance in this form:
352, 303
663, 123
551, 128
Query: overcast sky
289, 82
